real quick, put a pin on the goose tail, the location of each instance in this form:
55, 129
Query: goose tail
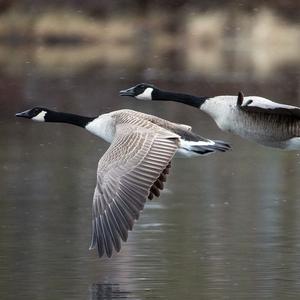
203, 147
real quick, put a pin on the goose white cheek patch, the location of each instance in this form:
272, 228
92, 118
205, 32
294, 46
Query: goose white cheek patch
40, 117
146, 95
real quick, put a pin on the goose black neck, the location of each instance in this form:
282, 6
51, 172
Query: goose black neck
61, 117
178, 97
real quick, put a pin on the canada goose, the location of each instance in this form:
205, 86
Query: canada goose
254, 118
132, 169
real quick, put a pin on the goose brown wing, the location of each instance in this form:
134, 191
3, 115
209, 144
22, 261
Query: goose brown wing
280, 111
128, 172
265, 106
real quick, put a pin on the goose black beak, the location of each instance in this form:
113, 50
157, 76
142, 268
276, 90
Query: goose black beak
24, 114
129, 92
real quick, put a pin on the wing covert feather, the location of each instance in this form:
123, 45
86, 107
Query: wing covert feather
265, 106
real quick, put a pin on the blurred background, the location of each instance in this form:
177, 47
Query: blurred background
227, 226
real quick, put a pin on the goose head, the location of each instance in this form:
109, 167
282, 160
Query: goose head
102, 126
41, 114
38, 114
142, 91
145, 91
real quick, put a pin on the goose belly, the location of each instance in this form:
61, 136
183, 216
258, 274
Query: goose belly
293, 144
269, 130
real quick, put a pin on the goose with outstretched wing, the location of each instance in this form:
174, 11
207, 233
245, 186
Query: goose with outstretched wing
133, 169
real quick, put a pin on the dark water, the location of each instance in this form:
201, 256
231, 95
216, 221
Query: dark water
226, 227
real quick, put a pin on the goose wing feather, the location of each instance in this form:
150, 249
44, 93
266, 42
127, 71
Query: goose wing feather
262, 105
126, 172
162, 123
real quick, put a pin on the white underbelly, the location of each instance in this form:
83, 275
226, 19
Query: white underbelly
293, 144
262, 134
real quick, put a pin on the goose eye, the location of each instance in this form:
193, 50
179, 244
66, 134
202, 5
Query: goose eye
37, 111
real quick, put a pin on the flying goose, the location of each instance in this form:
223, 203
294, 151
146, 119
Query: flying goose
133, 168
254, 118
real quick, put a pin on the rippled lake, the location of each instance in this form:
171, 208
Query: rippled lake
227, 226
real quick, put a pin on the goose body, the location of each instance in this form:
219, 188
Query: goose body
254, 118
132, 169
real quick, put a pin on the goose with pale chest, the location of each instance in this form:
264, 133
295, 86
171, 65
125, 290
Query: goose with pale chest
133, 168
254, 118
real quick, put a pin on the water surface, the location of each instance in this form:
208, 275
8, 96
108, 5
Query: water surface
226, 227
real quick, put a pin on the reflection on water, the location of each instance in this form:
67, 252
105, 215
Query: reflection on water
108, 291
198, 43
226, 227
